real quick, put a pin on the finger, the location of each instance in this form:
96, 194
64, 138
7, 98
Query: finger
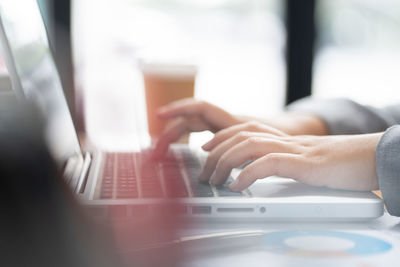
216, 117
175, 130
248, 150
214, 155
231, 131
184, 107
285, 165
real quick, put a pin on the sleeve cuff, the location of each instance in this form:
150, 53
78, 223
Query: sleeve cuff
388, 169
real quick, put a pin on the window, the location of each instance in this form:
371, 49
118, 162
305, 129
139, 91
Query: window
358, 53
237, 44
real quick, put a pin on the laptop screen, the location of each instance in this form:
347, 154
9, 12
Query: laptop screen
34, 74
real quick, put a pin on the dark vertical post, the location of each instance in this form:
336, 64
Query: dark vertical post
300, 48
61, 10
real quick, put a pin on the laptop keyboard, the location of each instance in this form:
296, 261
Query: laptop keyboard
137, 175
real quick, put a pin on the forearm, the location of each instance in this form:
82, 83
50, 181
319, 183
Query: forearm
294, 123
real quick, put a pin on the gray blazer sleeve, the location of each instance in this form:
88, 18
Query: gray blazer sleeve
388, 169
344, 116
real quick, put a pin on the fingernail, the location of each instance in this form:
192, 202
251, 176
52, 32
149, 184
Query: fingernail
234, 185
205, 146
160, 113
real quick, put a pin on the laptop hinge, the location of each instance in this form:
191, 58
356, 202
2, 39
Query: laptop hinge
80, 188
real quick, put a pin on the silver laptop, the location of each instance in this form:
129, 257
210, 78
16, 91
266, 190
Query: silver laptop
133, 181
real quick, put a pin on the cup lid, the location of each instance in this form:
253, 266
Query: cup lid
168, 68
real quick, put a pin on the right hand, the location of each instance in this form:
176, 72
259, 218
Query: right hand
191, 115
340, 162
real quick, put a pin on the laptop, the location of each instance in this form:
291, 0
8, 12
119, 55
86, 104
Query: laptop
132, 181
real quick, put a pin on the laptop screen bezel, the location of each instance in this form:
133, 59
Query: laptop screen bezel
9, 61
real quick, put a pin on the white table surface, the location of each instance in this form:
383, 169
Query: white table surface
385, 228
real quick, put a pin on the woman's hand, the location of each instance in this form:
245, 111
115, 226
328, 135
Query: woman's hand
191, 115
341, 162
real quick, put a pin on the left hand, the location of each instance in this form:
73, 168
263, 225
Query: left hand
340, 162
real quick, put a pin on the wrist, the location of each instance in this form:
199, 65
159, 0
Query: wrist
299, 124
293, 123
308, 124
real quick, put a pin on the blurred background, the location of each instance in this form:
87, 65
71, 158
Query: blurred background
254, 56
358, 50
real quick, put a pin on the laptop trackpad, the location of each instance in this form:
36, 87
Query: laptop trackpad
276, 187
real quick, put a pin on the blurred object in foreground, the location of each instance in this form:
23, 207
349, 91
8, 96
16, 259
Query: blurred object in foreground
144, 222
41, 224
152, 225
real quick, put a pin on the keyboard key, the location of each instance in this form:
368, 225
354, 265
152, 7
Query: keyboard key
173, 180
201, 189
158, 179
224, 191
193, 168
150, 182
190, 160
106, 195
126, 171
107, 187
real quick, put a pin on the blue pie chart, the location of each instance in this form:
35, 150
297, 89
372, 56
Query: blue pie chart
324, 243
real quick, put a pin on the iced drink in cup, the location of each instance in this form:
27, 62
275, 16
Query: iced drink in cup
165, 83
